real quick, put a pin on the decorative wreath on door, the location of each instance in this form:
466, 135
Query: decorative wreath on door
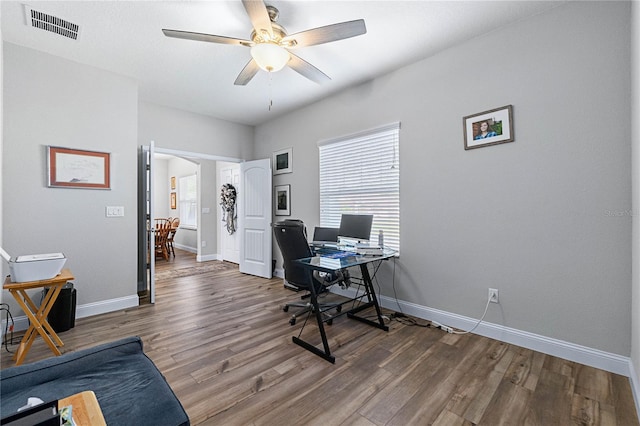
228, 197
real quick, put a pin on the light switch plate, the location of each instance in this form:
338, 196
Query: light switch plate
115, 211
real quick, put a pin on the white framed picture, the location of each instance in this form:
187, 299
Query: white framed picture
77, 168
488, 128
282, 161
282, 195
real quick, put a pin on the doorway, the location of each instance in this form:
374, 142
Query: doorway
203, 239
254, 213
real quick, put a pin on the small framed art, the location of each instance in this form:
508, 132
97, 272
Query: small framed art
173, 201
488, 128
173, 182
76, 168
282, 161
283, 200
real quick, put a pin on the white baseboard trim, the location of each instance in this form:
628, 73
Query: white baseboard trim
87, 310
635, 387
185, 248
208, 257
570, 351
279, 272
199, 258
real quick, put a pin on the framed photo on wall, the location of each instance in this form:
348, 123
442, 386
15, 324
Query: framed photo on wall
282, 161
76, 168
282, 195
488, 128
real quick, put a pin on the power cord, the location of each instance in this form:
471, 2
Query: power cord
400, 316
7, 328
406, 320
452, 331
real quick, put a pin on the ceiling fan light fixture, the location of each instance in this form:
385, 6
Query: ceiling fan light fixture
269, 56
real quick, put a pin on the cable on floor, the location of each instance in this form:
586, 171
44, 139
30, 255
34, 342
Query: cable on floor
7, 328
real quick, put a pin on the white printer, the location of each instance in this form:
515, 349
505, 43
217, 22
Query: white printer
34, 267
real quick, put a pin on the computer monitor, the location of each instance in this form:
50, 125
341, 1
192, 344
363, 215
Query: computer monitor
325, 235
356, 226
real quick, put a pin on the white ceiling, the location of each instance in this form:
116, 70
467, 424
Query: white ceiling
125, 37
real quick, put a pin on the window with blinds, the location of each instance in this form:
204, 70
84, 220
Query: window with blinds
188, 195
360, 174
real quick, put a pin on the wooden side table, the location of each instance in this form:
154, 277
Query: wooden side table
85, 409
37, 315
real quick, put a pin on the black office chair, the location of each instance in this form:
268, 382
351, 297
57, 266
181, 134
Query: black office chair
291, 238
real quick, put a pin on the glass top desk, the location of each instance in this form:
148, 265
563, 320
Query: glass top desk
331, 260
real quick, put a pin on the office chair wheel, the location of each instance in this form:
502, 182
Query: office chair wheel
339, 308
285, 308
330, 321
292, 321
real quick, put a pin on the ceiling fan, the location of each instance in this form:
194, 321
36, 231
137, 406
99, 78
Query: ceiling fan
271, 45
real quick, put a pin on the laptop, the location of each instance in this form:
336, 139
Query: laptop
325, 237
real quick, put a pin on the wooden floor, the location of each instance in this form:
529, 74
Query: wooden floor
224, 345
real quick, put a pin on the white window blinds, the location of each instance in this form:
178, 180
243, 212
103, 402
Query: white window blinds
360, 174
188, 195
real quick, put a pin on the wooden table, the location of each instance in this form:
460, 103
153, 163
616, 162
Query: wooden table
85, 409
37, 315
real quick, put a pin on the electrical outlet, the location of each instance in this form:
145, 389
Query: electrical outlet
493, 295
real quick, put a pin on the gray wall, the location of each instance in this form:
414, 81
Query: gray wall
544, 219
175, 129
635, 114
1, 149
51, 101
207, 223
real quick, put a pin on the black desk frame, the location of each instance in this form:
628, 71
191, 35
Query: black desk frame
312, 264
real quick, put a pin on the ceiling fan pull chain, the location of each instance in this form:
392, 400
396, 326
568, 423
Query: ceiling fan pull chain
270, 90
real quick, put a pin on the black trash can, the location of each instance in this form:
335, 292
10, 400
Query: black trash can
62, 315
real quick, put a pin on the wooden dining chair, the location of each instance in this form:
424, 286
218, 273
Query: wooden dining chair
161, 235
175, 223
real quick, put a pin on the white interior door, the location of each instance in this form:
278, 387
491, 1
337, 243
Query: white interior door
254, 218
230, 242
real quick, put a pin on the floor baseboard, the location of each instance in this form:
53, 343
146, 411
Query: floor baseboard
570, 351
635, 386
90, 309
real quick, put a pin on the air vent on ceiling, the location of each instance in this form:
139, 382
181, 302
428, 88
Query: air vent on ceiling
44, 21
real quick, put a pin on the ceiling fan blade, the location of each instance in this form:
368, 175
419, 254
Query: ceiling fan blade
325, 34
247, 73
304, 68
187, 35
259, 16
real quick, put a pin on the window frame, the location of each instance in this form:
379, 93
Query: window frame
184, 202
344, 173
